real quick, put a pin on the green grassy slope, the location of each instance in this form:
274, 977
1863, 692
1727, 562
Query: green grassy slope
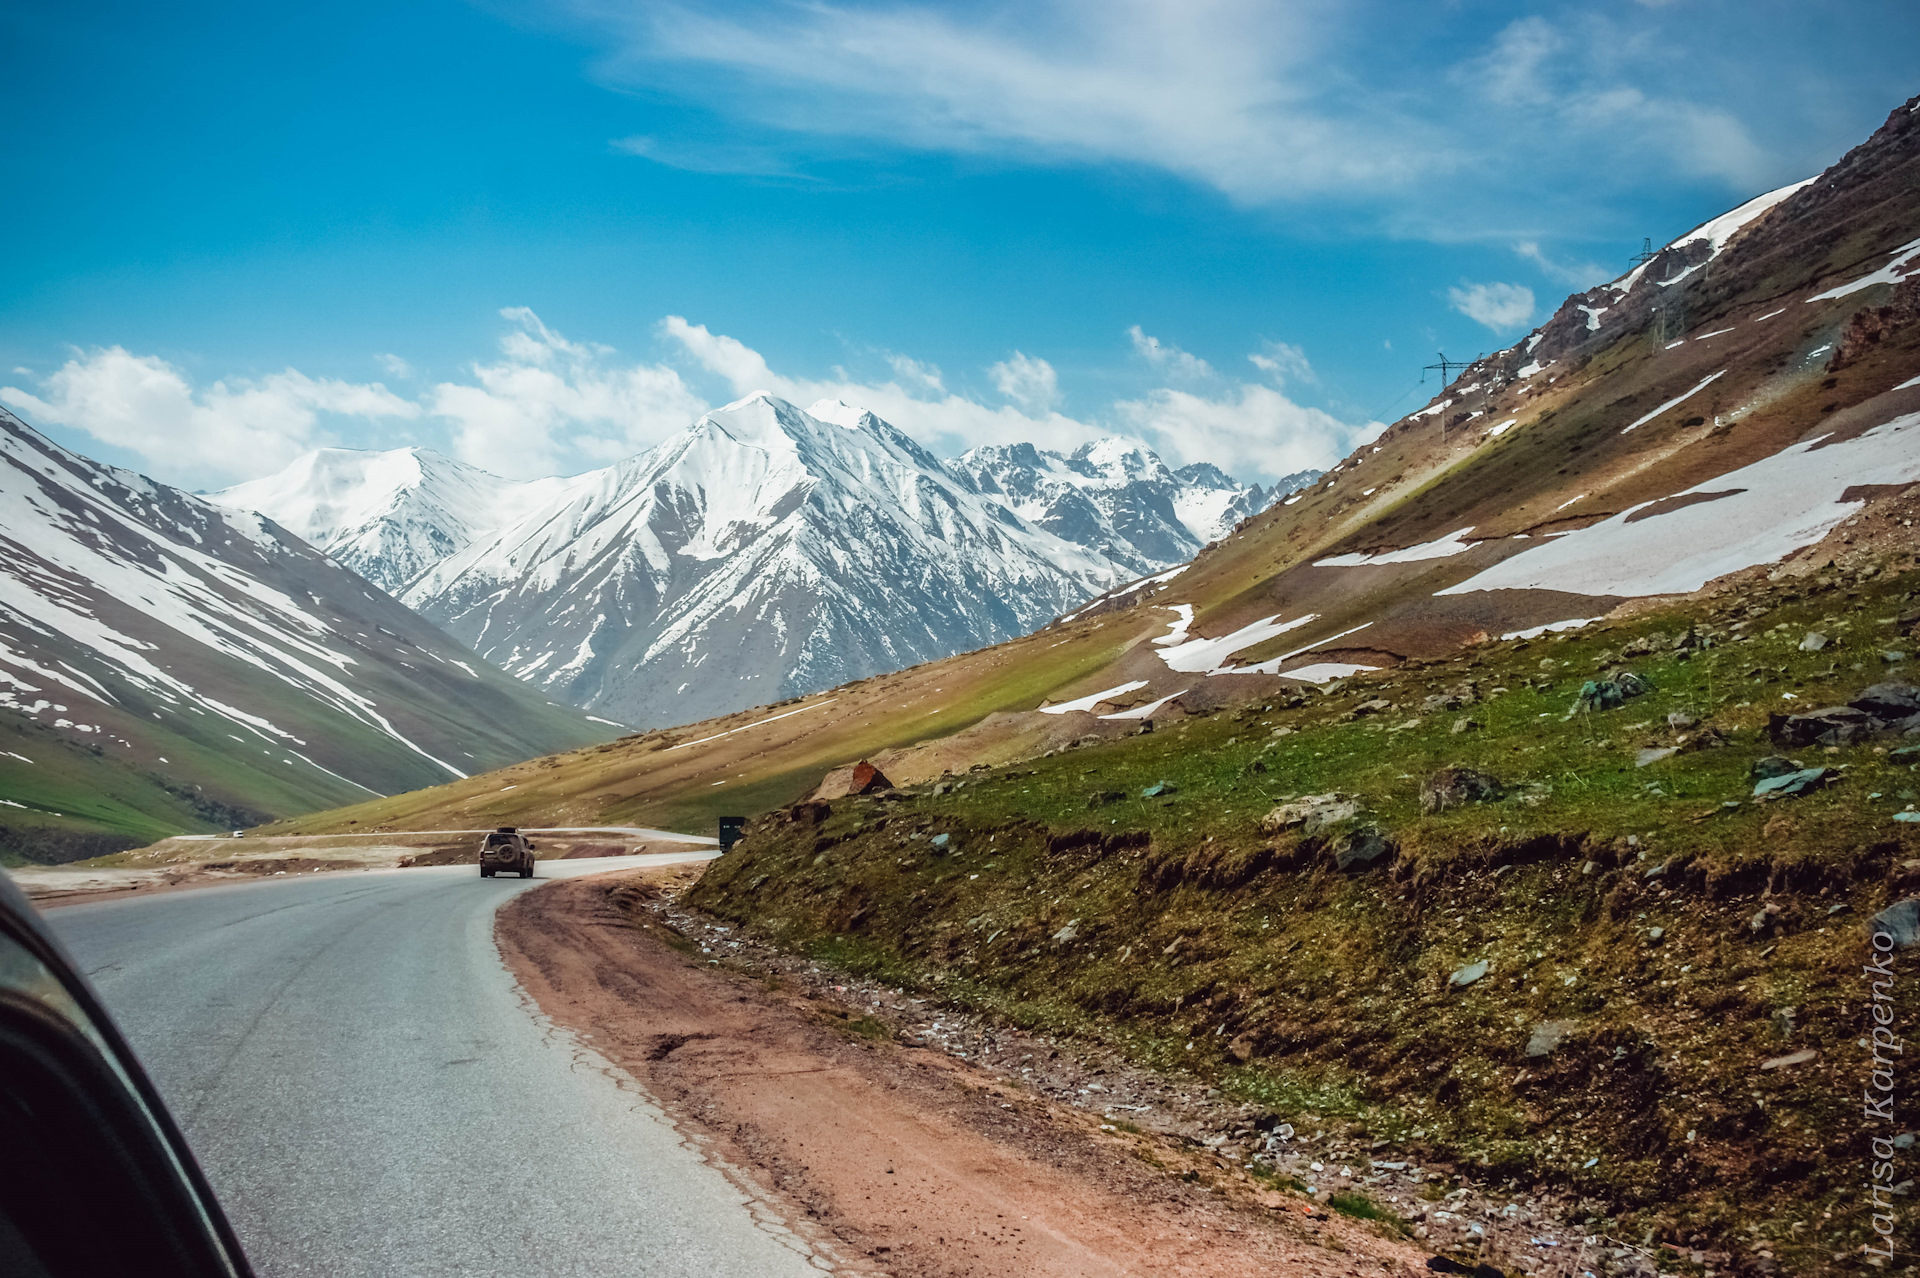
1613, 900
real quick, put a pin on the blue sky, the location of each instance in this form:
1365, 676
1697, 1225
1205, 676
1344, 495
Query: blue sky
542, 237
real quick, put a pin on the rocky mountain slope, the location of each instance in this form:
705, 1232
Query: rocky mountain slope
389, 515
1604, 460
395, 517
170, 665
1119, 499
762, 553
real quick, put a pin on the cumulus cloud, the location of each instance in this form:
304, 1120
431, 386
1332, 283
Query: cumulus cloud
1170, 360
1026, 381
1499, 306
550, 404
233, 429
1282, 360
1257, 427
1580, 275
396, 368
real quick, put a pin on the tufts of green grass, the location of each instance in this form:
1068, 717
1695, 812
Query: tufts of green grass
1617, 898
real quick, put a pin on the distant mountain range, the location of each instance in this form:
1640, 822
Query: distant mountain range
168, 664
762, 553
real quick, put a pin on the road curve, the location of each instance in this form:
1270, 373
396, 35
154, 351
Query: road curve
370, 1093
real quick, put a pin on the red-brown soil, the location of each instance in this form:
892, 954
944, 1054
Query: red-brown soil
905, 1156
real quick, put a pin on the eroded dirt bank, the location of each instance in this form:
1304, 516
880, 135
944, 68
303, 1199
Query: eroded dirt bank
914, 1160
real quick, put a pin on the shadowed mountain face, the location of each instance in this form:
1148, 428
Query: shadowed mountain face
167, 664
761, 554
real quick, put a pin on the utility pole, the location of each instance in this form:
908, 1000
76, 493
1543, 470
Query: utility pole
1444, 366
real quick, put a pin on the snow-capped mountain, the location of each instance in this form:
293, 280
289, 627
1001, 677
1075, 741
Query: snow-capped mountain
390, 515
1119, 499
761, 553
166, 662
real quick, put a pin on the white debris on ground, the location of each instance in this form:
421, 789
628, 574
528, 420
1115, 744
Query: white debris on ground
1770, 509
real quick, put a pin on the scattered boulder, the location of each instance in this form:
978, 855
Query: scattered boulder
1366, 708
1357, 849
1100, 798
1313, 813
855, 778
1158, 789
1070, 932
939, 842
1833, 725
1900, 921
1457, 787
1888, 701
1774, 765
1681, 722
1813, 641
1793, 784
1653, 754
1547, 1036
1465, 976
1464, 724
1609, 693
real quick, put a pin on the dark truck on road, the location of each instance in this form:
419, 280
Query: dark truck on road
506, 849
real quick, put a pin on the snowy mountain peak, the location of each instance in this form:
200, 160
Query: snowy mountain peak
388, 515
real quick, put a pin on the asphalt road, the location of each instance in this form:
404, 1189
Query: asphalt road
370, 1093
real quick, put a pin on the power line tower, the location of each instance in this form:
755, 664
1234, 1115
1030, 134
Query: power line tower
1445, 366
1646, 253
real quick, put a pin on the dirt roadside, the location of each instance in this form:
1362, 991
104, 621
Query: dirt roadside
924, 1164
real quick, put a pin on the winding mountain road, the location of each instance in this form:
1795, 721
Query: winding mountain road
370, 1092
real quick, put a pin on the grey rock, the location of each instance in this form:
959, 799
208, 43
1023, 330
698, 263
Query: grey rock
1311, 813
1357, 849
1901, 921
1465, 976
1158, 789
1813, 641
1793, 784
939, 842
1456, 787
1547, 1036
1831, 725
1653, 754
1888, 701
1774, 765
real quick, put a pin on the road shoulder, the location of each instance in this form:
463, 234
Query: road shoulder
924, 1163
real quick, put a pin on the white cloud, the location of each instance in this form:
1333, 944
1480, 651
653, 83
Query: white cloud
230, 430
395, 367
1264, 103
553, 405
1580, 275
913, 371
1252, 429
1170, 360
1282, 360
1498, 306
1028, 382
